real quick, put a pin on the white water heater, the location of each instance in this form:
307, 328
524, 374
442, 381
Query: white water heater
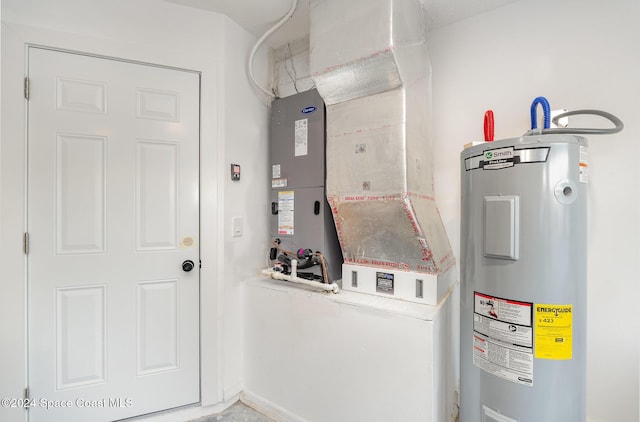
523, 280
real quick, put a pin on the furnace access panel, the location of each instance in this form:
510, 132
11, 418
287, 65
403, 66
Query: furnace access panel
300, 214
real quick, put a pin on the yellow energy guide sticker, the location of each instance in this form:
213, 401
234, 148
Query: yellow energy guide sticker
553, 327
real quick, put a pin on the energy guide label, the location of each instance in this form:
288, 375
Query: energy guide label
554, 331
503, 338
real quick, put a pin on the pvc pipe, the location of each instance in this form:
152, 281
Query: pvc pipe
333, 287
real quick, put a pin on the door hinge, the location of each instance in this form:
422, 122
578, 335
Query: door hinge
26, 88
26, 393
26, 243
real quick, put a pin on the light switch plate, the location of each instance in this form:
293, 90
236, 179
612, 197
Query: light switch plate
236, 226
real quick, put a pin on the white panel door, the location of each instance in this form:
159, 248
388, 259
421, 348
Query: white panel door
112, 216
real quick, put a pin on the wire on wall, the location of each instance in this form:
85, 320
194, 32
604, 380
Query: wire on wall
294, 77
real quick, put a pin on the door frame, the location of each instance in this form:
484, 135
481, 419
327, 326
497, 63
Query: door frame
27, 49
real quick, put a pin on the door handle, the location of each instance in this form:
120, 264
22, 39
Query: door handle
187, 265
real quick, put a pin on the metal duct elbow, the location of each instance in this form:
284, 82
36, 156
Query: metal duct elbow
370, 63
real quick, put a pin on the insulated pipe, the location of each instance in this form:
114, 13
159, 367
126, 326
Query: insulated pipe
333, 287
302, 264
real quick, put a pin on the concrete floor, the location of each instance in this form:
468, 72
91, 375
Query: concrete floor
238, 412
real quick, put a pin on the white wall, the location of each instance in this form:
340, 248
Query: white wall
292, 70
167, 34
245, 143
579, 54
316, 357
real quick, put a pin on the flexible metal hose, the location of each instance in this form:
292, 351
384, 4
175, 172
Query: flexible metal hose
582, 131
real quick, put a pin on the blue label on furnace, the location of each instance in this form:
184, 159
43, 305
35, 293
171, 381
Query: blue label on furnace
308, 110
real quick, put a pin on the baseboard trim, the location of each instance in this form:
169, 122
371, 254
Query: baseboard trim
268, 408
185, 413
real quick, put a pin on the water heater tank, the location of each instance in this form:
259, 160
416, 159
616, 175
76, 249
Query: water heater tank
523, 280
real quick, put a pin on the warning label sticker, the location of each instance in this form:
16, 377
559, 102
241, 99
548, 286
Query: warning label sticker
505, 310
503, 338
584, 165
285, 212
301, 137
384, 282
554, 327
275, 171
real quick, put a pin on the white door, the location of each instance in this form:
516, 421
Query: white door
112, 216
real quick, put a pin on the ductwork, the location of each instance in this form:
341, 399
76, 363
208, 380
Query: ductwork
370, 63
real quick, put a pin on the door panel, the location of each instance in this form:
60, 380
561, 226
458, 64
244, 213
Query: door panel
156, 195
157, 326
112, 214
80, 336
80, 189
